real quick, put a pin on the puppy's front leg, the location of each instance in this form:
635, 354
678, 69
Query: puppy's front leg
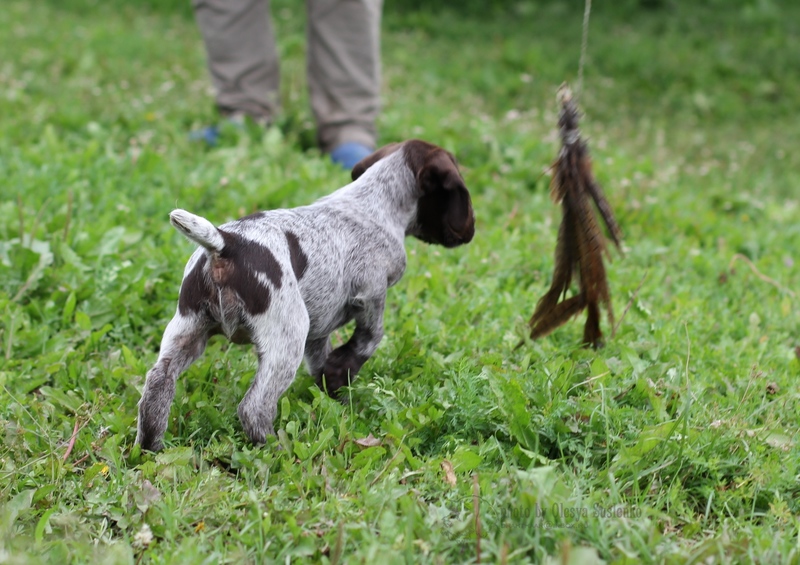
279, 336
345, 361
183, 342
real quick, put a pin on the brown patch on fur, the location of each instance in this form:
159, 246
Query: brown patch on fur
195, 289
297, 256
255, 216
252, 255
233, 271
236, 268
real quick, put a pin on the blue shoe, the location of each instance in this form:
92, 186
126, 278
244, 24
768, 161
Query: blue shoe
211, 134
349, 153
208, 134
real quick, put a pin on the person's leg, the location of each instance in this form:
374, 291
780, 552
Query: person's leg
242, 58
344, 71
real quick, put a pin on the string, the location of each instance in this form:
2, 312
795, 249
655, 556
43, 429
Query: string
584, 41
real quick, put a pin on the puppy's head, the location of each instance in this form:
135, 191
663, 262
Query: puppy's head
444, 209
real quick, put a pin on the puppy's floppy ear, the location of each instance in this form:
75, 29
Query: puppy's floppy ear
444, 214
365, 163
439, 172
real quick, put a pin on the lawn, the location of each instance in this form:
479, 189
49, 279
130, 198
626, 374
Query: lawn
676, 443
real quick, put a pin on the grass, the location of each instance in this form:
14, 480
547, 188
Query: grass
674, 444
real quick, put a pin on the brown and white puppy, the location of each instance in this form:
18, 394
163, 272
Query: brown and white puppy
284, 280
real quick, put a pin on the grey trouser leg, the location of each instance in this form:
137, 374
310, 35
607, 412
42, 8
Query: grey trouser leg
242, 58
343, 63
344, 69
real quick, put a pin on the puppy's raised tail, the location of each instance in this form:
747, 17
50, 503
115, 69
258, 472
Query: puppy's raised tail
198, 230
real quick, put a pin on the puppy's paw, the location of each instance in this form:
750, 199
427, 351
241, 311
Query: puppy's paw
150, 444
340, 369
256, 423
148, 436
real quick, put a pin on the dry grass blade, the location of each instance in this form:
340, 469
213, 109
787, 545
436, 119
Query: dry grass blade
71, 443
759, 274
449, 473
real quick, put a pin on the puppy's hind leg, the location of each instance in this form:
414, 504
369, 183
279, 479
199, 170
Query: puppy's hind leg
183, 342
317, 352
345, 361
279, 336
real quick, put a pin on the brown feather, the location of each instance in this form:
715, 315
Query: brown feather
581, 243
557, 315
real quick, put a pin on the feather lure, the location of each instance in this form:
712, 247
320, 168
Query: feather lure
581, 244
